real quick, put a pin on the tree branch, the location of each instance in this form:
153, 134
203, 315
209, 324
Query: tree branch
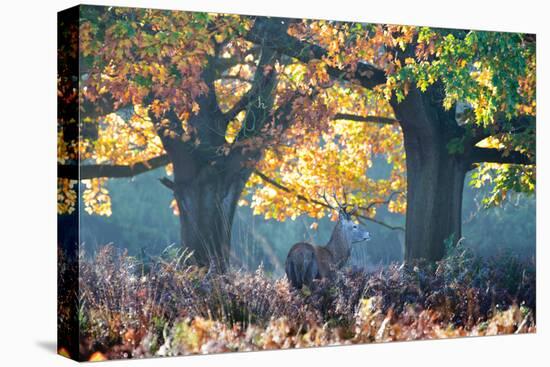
493, 155
235, 77
370, 119
503, 126
103, 105
301, 197
241, 104
168, 183
365, 75
111, 171
381, 202
223, 64
258, 101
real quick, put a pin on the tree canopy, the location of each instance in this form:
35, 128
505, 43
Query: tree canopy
312, 97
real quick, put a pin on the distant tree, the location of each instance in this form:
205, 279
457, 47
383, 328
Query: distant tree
296, 109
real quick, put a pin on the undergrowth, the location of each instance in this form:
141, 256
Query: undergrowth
166, 307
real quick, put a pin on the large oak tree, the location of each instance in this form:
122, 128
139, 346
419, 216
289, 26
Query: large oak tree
287, 110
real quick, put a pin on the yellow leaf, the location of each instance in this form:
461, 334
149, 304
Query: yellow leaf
63, 352
97, 357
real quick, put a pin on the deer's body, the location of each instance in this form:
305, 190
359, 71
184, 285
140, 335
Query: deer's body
306, 262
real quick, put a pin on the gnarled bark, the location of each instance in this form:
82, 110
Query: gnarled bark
435, 178
434, 199
207, 206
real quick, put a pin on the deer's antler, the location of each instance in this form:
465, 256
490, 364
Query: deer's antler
343, 206
340, 206
324, 197
354, 210
345, 195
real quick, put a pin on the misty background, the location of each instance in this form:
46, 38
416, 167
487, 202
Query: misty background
143, 223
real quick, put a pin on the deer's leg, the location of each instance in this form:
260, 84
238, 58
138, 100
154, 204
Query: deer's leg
311, 269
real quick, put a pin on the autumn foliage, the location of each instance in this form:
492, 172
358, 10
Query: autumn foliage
131, 309
138, 64
278, 114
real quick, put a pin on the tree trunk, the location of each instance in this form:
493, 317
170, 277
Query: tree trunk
435, 178
435, 183
207, 206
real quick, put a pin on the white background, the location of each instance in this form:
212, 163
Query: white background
28, 182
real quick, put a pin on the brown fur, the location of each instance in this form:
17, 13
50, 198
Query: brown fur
306, 262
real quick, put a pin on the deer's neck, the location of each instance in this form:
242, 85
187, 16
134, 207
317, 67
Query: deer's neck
339, 245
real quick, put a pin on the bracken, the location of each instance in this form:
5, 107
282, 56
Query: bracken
165, 307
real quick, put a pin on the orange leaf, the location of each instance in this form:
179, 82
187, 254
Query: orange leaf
63, 352
97, 357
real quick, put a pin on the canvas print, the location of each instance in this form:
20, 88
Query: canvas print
232, 183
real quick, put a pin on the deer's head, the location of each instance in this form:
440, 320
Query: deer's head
354, 231
350, 229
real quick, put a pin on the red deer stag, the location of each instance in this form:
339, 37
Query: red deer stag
306, 262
